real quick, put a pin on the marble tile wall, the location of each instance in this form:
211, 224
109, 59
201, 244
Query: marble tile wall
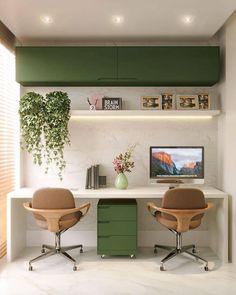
99, 141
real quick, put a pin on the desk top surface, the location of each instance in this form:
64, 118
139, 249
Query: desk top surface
147, 192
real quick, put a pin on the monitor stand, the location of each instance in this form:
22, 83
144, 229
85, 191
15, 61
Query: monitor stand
169, 181
173, 183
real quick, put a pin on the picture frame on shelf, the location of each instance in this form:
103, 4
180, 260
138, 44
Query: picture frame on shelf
168, 101
204, 101
187, 102
112, 103
151, 102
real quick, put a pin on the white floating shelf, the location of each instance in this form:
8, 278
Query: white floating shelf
145, 114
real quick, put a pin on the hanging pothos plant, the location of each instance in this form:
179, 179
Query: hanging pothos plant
44, 127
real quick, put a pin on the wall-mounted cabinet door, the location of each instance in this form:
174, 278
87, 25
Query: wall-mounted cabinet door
170, 66
65, 65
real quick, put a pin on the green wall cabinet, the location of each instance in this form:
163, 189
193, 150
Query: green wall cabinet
117, 227
169, 66
118, 66
42, 66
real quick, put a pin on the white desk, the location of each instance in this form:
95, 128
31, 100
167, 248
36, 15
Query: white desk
217, 226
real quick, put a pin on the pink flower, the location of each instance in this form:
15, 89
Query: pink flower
123, 163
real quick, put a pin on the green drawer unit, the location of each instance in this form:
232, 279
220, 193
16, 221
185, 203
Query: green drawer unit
117, 227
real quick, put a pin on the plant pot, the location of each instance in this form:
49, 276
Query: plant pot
121, 181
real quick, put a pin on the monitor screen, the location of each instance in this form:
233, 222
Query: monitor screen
177, 162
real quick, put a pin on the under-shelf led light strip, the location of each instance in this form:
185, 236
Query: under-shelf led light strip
81, 117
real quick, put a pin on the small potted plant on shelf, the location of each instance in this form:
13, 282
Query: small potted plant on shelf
123, 163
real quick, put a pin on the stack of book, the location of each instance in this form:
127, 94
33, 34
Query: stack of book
92, 177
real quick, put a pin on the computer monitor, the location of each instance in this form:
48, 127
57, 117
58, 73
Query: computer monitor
177, 164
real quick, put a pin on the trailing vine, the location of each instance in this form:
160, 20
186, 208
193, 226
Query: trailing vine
56, 134
31, 121
44, 127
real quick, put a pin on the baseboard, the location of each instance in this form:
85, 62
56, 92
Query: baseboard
89, 238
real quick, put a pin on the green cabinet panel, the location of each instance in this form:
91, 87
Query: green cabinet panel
124, 243
169, 66
65, 65
117, 212
117, 227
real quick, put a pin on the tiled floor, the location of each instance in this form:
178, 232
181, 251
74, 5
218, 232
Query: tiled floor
116, 275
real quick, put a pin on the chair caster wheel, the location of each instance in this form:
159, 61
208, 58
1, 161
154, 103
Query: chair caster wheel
132, 256
30, 267
162, 268
74, 268
102, 256
43, 250
206, 268
155, 251
81, 250
194, 251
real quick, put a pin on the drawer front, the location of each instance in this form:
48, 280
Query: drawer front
109, 213
127, 228
122, 243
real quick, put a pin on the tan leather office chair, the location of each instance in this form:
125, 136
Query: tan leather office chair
182, 210
54, 210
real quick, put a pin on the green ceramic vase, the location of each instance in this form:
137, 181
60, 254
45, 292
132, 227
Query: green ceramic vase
121, 181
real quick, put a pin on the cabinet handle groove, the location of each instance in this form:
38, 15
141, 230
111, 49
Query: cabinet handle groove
106, 78
127, 78
116, 79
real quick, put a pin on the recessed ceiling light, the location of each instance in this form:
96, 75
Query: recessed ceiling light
118, 19
46, 19
188, 19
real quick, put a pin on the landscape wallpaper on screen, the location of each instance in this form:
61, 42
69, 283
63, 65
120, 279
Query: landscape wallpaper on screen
182, 162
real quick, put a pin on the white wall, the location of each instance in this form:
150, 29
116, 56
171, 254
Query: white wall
227, 124
100, 141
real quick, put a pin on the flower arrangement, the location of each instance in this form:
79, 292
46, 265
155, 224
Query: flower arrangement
123, 162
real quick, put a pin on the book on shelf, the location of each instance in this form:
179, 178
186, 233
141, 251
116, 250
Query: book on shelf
87, 179
92, 177
96, 176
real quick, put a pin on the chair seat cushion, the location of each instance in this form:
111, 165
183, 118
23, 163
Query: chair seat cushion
172, 224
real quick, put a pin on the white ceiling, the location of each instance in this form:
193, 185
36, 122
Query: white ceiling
91, 20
